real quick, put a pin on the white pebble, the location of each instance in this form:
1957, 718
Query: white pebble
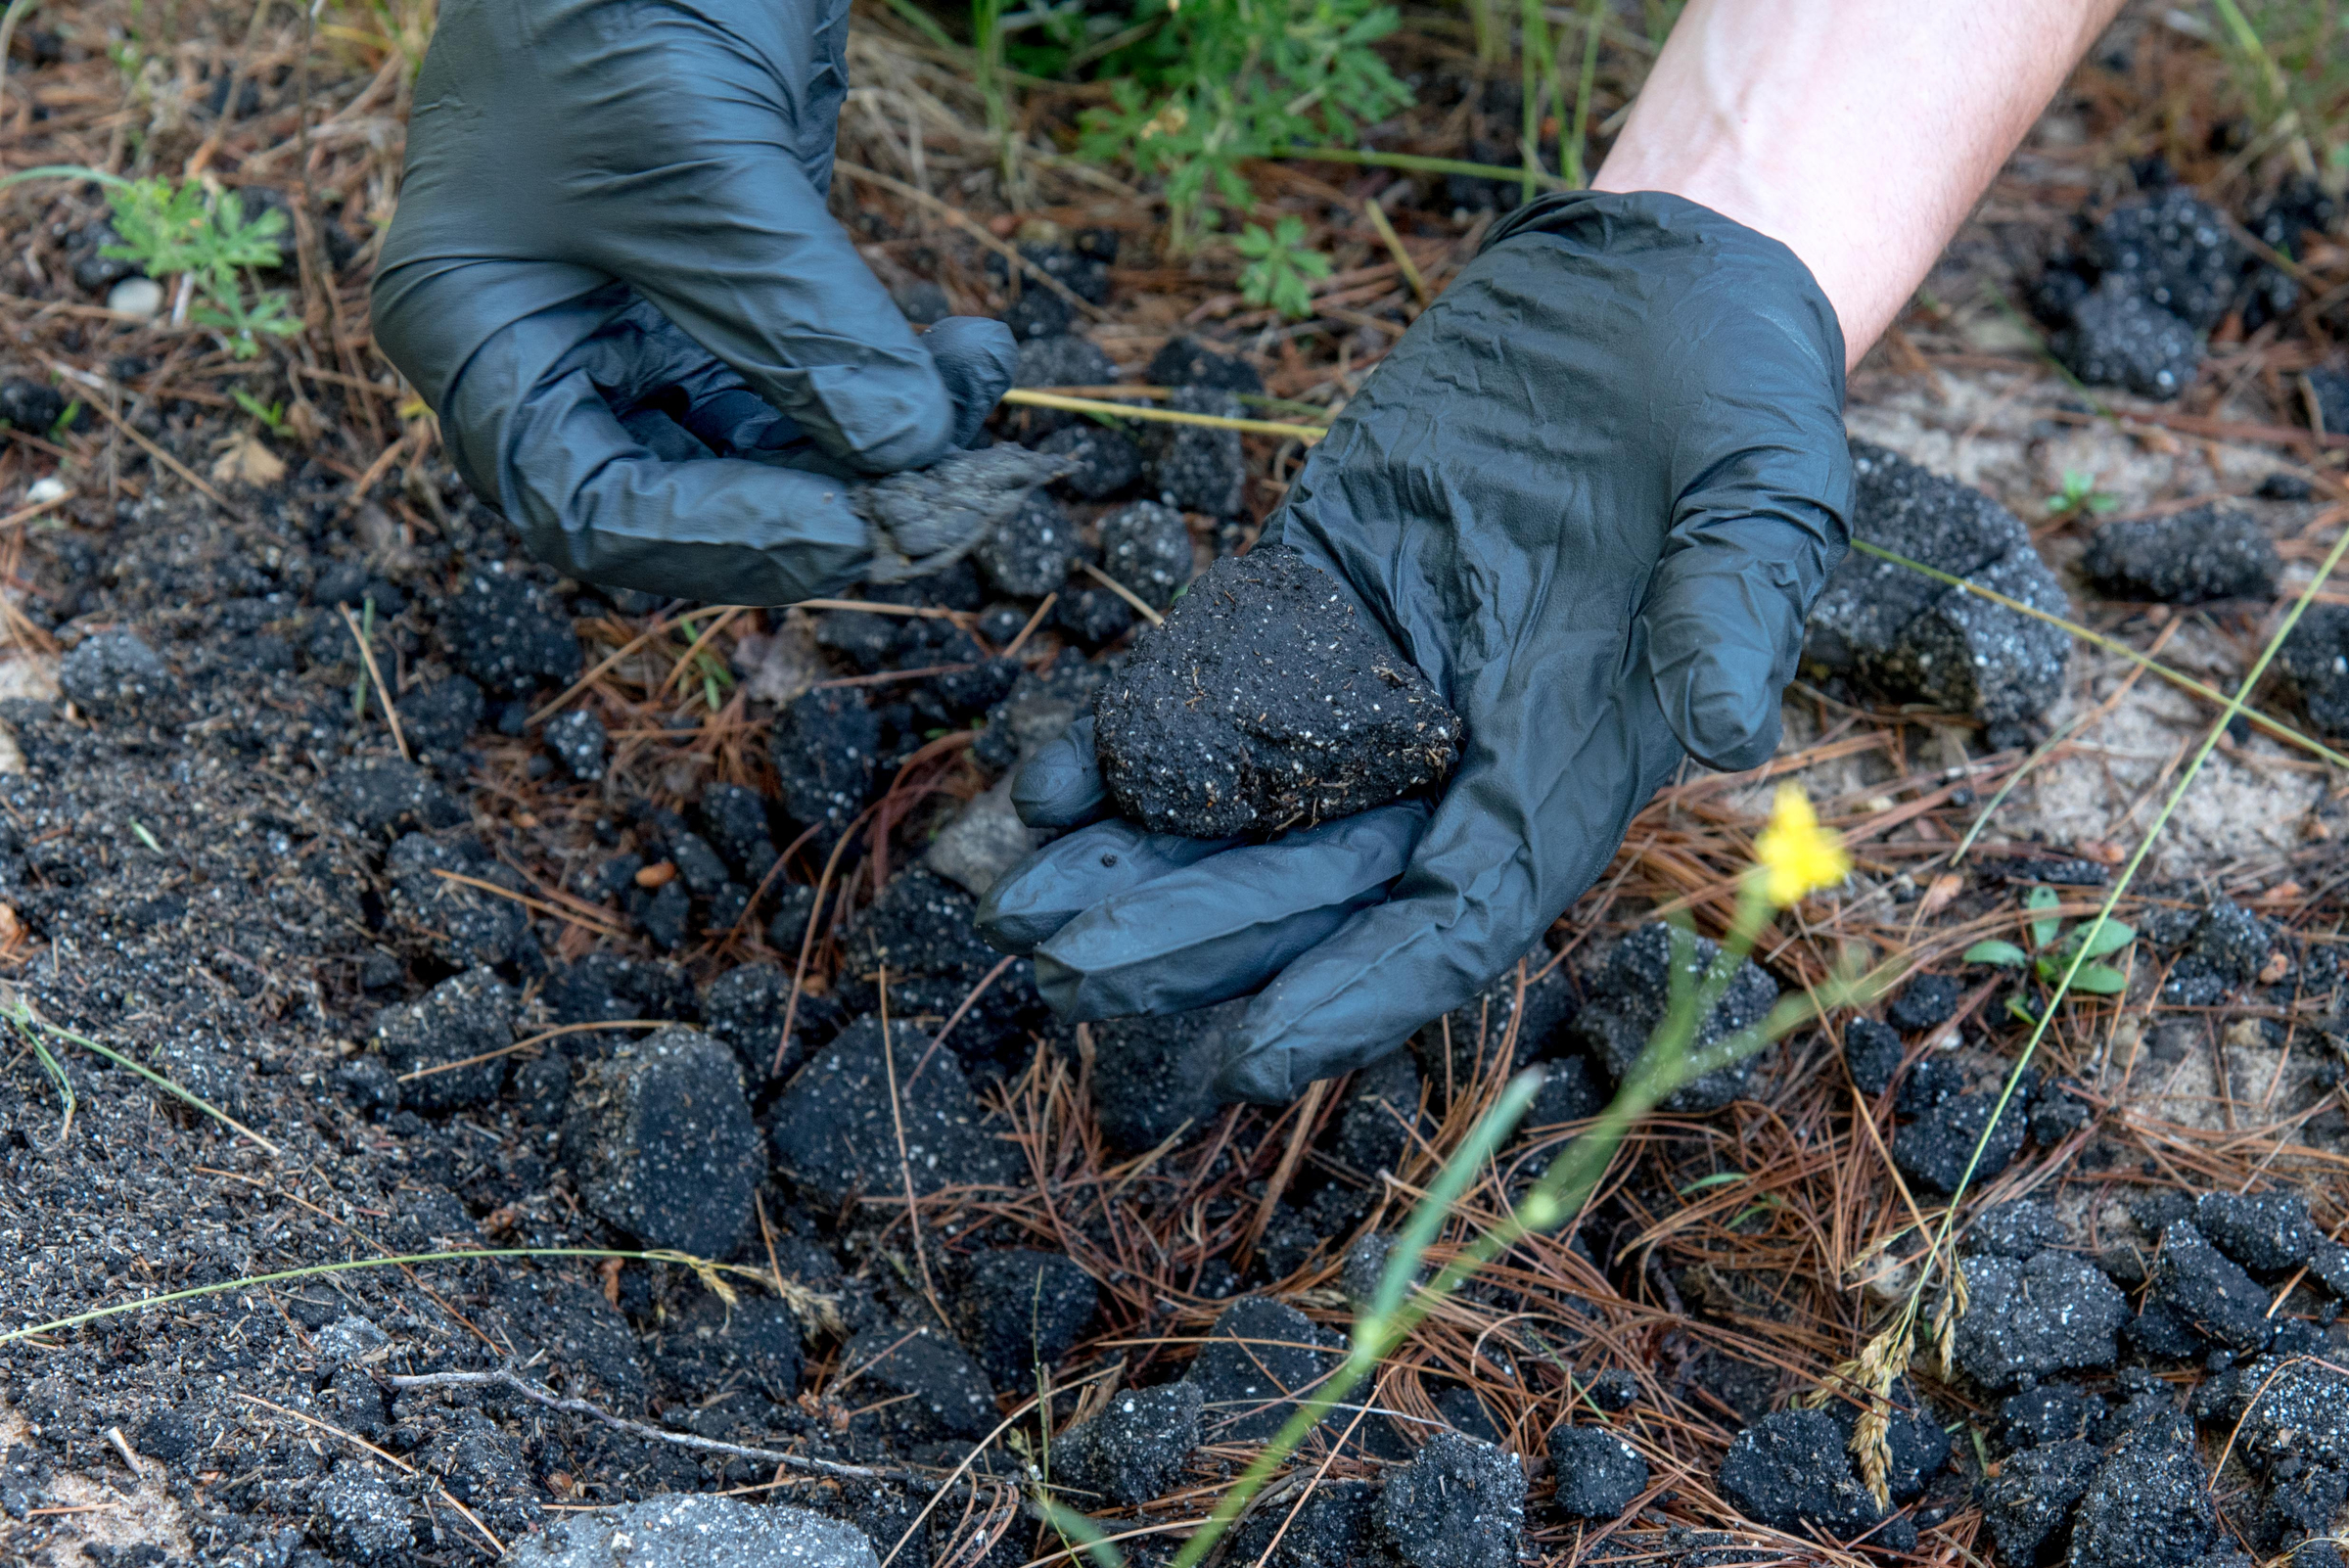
136, 297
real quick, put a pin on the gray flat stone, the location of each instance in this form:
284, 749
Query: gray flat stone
696, 1532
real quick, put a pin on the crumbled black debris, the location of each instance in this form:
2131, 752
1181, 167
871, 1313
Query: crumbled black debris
1571, 1091
1599, 1473
924, 520
29, 405
2147, 1505
2048, 1413
1197, 468
507, 635
2177, 249
1060, 359
1094, 616
947, 1394
825, 747
1260, 1358
1335, 1525
1908, 638
1264, 702
435, 894
2020, 1228
1021, 1309
1794, 1468
578, 740
2315, 659
714, 1347
2052, 1313
1146, 546
2226, 950
1477, 1031
440, 1035
2199, 1295
835, 1135
1629, 999
660, 1139
439, 717
1915, 1446
1103, 462
1186, 361
2208, 552
734, 822
361, 1513
1927, 1001
1873, 1051
1459, 1504
114, 676
1152, 1076
2028, 1505
2267, 1232
921, 929
383, 795
1132, 1450
1940, 1145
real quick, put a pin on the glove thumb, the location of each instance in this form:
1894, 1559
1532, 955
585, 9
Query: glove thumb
1723, 630
976, 358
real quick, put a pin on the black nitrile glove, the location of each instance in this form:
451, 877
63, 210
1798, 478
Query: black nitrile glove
1593, 494
612, 275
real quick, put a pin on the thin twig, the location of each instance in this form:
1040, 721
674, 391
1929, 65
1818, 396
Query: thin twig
392, 1459
502, 1378
367, 658
1124, 592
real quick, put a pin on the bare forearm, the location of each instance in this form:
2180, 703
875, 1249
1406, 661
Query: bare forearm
1859, 133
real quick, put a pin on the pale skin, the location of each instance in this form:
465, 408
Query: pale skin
1856, 132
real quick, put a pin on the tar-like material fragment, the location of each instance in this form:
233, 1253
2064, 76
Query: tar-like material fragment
1459, 1504
1131, 1452
660, 1142
2210, 552
1265, 702
1631, 994
1599, 1473
2052, 1313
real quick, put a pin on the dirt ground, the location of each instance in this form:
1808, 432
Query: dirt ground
224, 876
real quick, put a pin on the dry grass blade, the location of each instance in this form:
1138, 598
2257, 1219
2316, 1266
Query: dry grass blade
1030, 398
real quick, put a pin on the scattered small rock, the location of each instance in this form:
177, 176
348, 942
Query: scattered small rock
114, 676
1927, 1001
142, 298
1911, 639
1306, 713
2210, 552
834, 1133
1873, 1051
947, 1394
1629, 998
578, 740
386, 795
824, 748
1459, 1504
1793, 1468
2028, 1505
696, 1531
1132, 1450
1598, 1474
508, 635
660, 1139
2051, 1313
1197, 468
1146, 546
361, 1513
2199, 1288
1023, 1308
1259, 1358
465, 1016
985, 840
1153, 1076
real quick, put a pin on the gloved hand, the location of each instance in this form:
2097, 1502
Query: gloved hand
1593, 494
612, 275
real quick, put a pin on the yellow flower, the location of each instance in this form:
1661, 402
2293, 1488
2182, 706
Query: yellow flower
1797, 855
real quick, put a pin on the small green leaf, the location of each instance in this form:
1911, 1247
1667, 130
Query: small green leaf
2045, 930
2021, 1009
2099, 979
2110, 938
1717, 1179
1996, 952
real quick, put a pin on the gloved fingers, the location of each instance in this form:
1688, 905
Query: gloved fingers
1724, 615
591, 500
1519, 835
1222, 927
640, 361
975, 357
1070, 875
1060, 786
722, 231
